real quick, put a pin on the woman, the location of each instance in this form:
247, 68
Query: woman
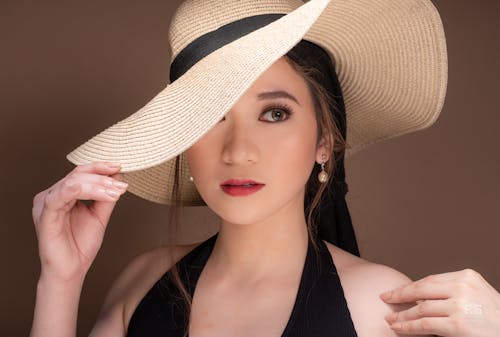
237, 113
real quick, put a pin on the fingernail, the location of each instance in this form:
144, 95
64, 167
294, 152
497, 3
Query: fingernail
112, 193
114, 165
390, 317
396, 326
120, 184
386, 296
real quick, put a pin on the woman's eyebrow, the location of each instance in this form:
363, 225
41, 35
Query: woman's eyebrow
277, 94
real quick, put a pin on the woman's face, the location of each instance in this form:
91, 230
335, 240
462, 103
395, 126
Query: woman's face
269, 136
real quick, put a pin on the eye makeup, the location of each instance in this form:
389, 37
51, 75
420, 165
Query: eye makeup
280, 107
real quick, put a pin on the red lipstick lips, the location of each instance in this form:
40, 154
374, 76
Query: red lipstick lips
240, 187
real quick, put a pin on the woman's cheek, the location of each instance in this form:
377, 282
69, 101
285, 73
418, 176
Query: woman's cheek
294, 158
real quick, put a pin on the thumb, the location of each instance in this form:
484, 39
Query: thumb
103, 210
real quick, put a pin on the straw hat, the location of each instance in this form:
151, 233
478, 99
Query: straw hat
390, 57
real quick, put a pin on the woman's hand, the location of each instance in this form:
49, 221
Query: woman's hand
70, 232
456, 304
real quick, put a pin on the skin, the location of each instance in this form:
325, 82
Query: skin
240, 291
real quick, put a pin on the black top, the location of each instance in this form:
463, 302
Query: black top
320, 308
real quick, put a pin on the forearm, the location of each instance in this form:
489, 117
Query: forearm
56, 308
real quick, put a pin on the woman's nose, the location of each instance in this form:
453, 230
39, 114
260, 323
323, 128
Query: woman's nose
240, 144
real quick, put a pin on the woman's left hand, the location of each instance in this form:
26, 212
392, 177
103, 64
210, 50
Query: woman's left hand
456, 304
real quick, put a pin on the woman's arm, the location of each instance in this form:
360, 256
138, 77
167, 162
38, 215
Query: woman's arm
56, 307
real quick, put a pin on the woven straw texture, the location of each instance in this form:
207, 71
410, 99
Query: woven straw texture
390, 58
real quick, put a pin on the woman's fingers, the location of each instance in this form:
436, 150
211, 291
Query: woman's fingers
98, 167
423, 289
82, 187
440, 286
441, 326
448, 318
431, 308
95, 182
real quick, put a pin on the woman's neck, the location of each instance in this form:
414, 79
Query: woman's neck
275, 246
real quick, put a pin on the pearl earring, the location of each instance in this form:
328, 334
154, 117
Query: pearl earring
323, 175
191, 178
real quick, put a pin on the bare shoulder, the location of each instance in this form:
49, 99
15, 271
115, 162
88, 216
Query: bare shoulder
363, 281
135, 280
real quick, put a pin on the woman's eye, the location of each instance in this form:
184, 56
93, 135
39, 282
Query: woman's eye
277, 114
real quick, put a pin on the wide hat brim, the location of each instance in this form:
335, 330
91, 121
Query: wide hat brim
391, 61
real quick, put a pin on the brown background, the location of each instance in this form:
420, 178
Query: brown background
423, 203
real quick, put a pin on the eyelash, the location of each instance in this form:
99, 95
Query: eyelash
282, 107
278, 106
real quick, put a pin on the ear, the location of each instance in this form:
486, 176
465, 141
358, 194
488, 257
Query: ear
324, 148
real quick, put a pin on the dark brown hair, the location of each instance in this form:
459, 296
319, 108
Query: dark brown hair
307, 60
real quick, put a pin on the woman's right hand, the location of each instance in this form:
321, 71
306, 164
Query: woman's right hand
69, 232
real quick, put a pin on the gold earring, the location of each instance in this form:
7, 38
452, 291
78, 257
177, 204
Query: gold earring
323, 175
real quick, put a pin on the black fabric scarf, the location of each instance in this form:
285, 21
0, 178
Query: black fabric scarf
332, 217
